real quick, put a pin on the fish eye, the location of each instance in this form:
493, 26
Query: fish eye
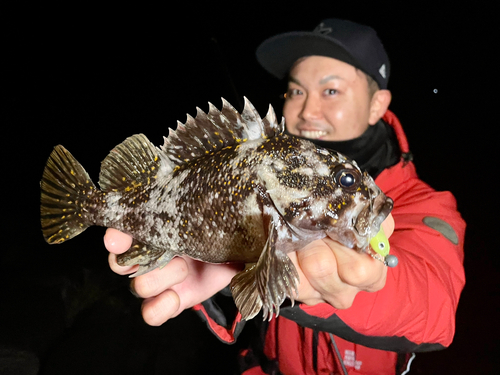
347, 178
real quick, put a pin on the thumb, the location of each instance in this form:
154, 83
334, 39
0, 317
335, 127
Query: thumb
117, 242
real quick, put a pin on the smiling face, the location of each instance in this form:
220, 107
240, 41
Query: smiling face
330, 100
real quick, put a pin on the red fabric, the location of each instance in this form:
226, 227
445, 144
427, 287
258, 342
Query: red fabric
430, 266
294, 352
224, 334
419, 299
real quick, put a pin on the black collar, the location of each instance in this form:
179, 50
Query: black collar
375, 150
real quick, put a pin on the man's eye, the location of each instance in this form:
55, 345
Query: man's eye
330, 91
292, 92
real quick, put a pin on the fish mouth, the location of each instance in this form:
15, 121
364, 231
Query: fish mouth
385, 210
367, 225
363, 224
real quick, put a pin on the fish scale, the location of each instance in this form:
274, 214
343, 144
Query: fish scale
224, 187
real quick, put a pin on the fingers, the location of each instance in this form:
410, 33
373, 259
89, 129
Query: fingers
306, 292
181, 284
168, 291
336, 274
358, 269
117, 242
161, 301
157, 310
319, 265
157, 281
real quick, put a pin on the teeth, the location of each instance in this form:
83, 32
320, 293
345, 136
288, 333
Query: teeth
313, 134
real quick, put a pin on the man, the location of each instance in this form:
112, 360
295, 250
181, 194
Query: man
354, 313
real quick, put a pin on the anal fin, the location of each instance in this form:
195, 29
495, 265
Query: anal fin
146, 256
266, 284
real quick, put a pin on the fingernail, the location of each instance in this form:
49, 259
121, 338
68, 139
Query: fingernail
107, 242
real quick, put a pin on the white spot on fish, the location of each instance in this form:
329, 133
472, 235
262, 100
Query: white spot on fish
306, 171
319, 207
323, 170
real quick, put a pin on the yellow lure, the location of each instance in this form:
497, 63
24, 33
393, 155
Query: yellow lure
380, 243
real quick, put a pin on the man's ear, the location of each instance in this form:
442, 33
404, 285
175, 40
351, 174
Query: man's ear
379, 104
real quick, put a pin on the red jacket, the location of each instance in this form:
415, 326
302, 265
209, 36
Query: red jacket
415, 311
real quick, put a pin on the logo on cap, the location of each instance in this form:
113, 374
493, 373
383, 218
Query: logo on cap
321, 29
382, 71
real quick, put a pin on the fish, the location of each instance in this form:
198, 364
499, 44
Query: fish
225, 187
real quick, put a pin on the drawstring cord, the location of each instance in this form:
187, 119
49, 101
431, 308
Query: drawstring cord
407, 370
337, 353
344, 370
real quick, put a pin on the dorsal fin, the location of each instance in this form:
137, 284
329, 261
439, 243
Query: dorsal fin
135, 161
215, 130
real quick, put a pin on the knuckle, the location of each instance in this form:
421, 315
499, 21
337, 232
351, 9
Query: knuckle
377, 285
319, 267
161, 279
358, 275
321, 270
345, 305
343, 302
146, 285
368, 276
158, 310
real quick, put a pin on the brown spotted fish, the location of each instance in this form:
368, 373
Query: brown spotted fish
224, 187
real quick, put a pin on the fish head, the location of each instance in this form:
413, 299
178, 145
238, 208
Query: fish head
356, 209
366, 208
337, 200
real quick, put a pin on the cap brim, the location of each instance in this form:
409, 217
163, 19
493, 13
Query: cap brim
277, 54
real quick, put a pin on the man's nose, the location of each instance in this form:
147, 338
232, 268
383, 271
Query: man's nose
311, 109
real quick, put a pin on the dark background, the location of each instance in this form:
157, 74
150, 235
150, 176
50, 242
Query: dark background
88, 78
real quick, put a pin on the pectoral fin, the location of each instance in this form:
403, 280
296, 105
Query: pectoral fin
267, 283
245, 293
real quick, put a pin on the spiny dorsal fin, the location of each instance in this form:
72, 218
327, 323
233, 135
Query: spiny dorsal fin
215, 130
134, 162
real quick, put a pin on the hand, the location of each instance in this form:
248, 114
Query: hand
332, 273
181, 284
329, 272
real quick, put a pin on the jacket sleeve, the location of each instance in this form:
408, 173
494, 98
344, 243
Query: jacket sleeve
415, 311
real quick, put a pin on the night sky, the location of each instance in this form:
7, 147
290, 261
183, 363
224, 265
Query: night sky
88, 78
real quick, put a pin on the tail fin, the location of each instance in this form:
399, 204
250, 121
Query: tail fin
65, 193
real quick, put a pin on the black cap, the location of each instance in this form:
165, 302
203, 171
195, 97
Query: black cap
350, 42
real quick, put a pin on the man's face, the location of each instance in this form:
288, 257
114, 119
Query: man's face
327, 99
